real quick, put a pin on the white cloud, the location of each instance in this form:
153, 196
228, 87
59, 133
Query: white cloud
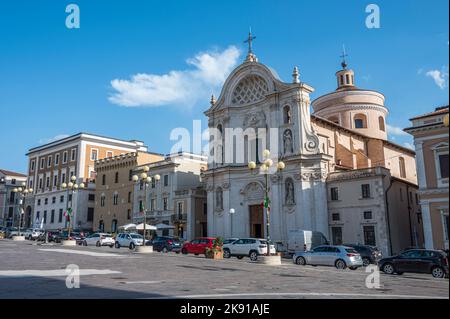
52, 139
178, 87
396, 131
440, 77
408, 145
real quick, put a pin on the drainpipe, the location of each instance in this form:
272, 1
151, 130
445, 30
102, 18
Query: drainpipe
387, 214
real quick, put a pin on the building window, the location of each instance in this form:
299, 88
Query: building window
45, 217
205, 209
116, 177
46, 201
114, 225
180, 208
166, 180
53, 200
130, 175
443, 165
47, 182
334, 193
152, 204
33, 163
401, 163
102, 201
91, 197
69, 198
56, 159
109, 154
129, 214
141, 206
52, 216
55, 180
63, 178
381, 124
369, 235
40, 183
39, 202
90, 214
153, 183
336, 217
49, 161
129, 197
94, 155
165, 203
360, 121
101, 226
103, 179
115, 199
368, 215
73, 154
365, 189
12, 196
60, 216
42, 163
445, 225
336, 234
64, 161
61, 199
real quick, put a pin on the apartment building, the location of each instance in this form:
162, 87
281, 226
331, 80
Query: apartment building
176, 199
115, 187
430, 133
55, 163
9, 201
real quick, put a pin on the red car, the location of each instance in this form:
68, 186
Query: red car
197, 246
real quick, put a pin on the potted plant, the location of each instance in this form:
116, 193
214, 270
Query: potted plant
216, 251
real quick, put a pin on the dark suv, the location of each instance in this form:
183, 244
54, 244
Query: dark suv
433, 262
166, 244
369, 254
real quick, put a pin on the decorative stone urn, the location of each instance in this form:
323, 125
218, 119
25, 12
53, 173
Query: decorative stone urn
274, 260
144, 249
18, 238
67, 242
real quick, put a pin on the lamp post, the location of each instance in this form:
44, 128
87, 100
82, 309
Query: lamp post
23, 192
71, 188
146, 180
232, 211
264, 169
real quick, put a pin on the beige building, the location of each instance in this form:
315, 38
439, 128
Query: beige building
53, 164
9, 201
430, 133
114, 189
176, 200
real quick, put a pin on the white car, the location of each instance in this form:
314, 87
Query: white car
33, 234
99, 239
251, 247
129, 240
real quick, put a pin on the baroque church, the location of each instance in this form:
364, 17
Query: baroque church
344, 139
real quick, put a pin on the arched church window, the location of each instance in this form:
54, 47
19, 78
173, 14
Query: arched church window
360, 121
289, 192
381, 124
401, 163
287, 114
252, 88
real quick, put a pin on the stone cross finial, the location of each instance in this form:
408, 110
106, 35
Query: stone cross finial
295, 75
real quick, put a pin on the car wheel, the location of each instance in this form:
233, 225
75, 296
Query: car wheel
300, 261
340, 264
437, 272
132, 245
353, 268
239, 257
98, 244
165, 250
111, 246
366, 262
117, 245
84, 243
226, 253
399, 273
388, 269
253, 256
196, 254
184, 251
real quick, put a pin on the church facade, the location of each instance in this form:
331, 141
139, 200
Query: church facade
341, 148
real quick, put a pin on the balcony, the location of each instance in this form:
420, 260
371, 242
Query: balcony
179, 218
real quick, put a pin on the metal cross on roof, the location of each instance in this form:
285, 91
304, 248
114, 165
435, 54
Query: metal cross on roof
249, 41
343, 56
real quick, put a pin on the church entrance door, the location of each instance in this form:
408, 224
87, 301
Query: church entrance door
256, 221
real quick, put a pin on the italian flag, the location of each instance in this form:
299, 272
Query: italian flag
68, 213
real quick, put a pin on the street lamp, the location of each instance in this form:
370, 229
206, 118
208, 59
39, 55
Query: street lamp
264, 169
146, 180
23, 192
71, 188
232, 211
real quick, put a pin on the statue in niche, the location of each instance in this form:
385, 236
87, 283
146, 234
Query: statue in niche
219, 199
290, 197
287, 142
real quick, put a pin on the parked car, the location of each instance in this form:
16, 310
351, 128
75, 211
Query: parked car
340, 257
130, 240
60, 236
369, 254
432, 262
166, 244
33, 233
99, 239
12, 231
251, 247
197, 246
229, 240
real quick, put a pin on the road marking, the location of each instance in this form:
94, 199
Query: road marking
81, 252
301, 294
142, 282
54, 273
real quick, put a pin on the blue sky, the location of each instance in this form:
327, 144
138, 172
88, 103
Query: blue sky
64, 78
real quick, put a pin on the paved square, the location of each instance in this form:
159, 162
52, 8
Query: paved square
28, 270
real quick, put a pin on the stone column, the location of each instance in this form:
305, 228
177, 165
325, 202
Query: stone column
427, 228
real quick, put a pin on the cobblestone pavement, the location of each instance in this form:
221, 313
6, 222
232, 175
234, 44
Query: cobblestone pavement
28, 270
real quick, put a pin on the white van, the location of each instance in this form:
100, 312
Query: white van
304, 240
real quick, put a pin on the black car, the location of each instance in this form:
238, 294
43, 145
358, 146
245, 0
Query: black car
166, 244
369, 254
416, 261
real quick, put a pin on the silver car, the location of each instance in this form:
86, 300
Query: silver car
340, 257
